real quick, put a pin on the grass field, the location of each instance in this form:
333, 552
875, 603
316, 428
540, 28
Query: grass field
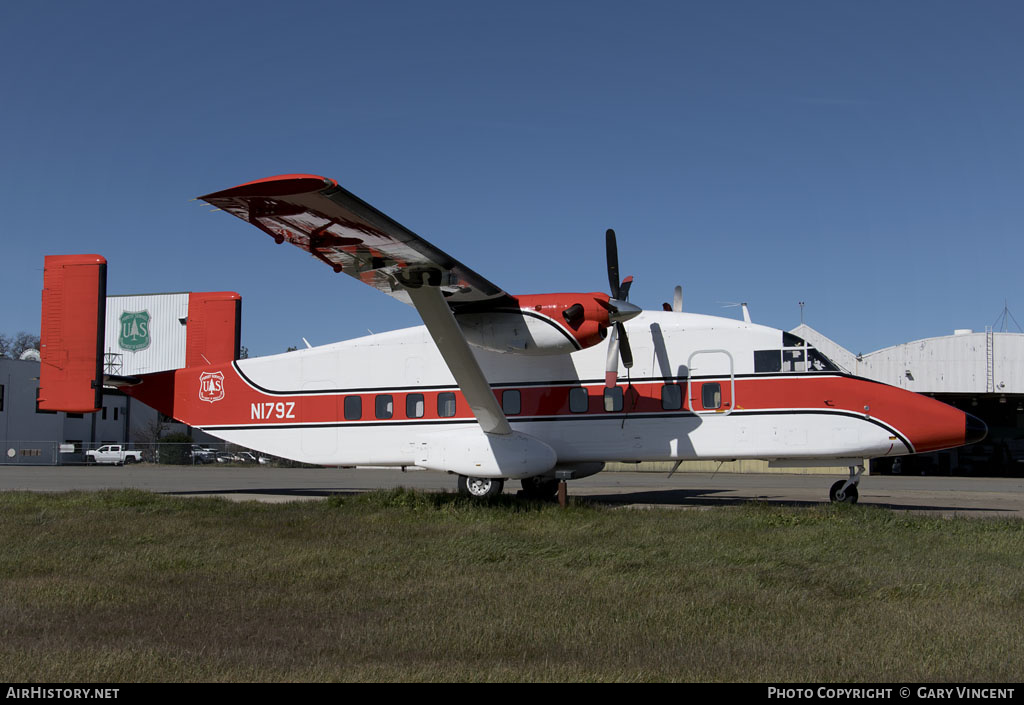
129, 586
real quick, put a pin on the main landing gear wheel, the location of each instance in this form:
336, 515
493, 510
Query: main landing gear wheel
480, 487
540, 487
838, 494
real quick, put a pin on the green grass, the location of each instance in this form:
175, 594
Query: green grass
130, 586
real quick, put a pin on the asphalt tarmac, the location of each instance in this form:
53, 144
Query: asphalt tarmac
945, 496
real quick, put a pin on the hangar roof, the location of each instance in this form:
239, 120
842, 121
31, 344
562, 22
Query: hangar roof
963, 363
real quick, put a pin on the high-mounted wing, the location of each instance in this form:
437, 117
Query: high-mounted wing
338, 228
320, 217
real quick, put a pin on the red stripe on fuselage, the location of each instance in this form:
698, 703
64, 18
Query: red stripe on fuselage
925, 422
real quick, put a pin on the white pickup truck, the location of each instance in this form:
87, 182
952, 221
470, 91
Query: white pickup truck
115, 455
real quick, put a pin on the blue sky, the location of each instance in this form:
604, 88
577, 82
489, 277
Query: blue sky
866, 158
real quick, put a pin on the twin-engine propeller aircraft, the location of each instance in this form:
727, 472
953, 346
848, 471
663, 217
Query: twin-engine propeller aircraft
495, 386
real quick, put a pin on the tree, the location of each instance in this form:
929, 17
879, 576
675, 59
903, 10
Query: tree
24, 341
175, 449
14, 347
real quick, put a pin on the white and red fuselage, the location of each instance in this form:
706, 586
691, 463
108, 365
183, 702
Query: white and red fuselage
702, 387
492, 385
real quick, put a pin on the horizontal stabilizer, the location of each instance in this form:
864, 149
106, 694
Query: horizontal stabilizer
89, 340
149, 333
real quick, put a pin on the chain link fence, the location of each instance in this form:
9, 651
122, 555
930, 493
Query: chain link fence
162, 453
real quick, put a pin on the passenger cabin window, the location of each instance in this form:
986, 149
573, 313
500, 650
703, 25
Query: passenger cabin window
711, 395
671, 397
384, 406
414, 406
613, 399
579, 400
511, 402
353, 408
446, 404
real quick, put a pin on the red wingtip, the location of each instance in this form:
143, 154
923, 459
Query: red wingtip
283, 185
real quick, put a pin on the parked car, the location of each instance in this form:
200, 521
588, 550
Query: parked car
203, 454
113, 455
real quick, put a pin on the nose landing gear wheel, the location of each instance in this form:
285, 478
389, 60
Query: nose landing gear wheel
838, 494
480, 487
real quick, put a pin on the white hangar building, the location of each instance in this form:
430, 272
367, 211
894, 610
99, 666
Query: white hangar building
980, 373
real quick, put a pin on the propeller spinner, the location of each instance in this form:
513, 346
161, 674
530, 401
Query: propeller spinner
619, 311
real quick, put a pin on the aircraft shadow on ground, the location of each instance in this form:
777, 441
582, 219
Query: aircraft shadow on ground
711, 498
669, 498
275, 491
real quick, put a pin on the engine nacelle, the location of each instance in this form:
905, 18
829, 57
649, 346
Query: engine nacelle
473, 453
542, 324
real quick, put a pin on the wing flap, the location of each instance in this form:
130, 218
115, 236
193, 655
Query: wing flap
352, 237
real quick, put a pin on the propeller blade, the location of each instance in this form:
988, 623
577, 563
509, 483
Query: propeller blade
677, 300
624, 350
619, 310
612, 255
611, 363
624, 288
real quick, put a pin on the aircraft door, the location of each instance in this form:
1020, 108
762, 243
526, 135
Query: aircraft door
318, 439
711, 384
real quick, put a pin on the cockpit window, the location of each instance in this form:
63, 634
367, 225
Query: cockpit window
767, 361
796, 359
816, 362
793, 361
792, 341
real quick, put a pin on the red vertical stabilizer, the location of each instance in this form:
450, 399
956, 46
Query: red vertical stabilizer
71, 333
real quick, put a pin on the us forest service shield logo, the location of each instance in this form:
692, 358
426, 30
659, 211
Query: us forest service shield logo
211, 386
134, 334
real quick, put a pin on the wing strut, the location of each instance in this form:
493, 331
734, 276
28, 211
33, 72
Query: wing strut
433, 309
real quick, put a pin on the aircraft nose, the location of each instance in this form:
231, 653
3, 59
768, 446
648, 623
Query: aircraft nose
974, 429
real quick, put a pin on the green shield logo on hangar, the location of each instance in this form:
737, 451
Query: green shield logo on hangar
134, 334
